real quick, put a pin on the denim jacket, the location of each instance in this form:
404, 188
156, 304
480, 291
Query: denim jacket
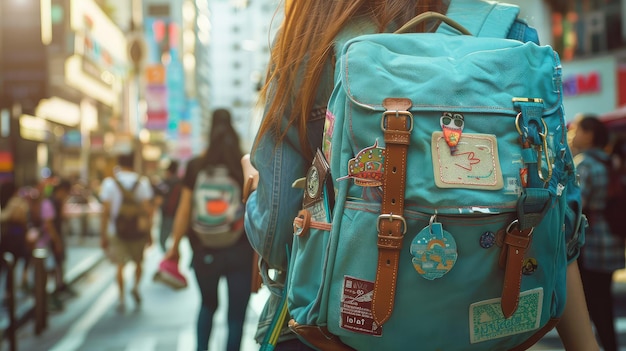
271, 208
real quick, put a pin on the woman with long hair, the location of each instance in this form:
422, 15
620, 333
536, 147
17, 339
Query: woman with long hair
234, 262
298, 86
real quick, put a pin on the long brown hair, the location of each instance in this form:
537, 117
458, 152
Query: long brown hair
303, 45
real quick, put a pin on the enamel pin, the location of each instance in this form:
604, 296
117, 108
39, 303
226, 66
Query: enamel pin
452, 126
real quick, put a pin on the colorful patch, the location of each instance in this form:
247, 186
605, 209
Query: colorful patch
474, 165
434, 252
367, 167
356, 307
329, 127
487, 322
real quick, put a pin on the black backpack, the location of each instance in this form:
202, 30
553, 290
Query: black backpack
132, 222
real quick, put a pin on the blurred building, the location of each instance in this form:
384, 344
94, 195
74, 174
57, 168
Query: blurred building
84, 80
234, 54
63, 69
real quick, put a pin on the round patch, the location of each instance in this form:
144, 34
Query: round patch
312, 183
487, 240
434, 252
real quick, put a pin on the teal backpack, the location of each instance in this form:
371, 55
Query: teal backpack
455, 209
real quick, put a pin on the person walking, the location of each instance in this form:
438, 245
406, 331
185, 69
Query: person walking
298, 86
52, 218
233, 262
14, 224
603, 252
169, 189
123, 245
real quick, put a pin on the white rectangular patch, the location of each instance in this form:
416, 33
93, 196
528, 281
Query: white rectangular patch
487, 322
474, 165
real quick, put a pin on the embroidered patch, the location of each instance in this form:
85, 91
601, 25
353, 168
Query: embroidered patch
367, 167
487, 322
329, 127
474, 165
356, 307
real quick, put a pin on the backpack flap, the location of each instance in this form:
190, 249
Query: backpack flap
441, 75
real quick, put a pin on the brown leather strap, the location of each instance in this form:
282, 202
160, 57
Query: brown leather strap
516, 242
397, 124
319, 337
303, 224
257, 279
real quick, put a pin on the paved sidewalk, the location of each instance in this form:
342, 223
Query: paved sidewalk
82, 255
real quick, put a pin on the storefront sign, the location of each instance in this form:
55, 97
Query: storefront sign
580, 84
34, 128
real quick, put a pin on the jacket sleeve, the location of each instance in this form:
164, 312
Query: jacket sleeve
272, 207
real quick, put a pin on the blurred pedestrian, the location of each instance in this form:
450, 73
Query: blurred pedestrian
603, 252
52, 218
169, 189
210, 264
122, 246
14, 224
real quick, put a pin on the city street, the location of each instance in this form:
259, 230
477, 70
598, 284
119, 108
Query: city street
166, 319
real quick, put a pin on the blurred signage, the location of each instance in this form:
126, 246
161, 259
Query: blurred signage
96, 142
123, 144
155, 75
34, 128
72, 139
59, 111
580, 84
6, 162
102, 41
156, 102
6, 166
100, 57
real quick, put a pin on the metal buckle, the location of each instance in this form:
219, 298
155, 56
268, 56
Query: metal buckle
383, 124
391, 217
515, 223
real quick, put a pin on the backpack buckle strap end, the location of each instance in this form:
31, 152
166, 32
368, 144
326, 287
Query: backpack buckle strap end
397, 124
516, 242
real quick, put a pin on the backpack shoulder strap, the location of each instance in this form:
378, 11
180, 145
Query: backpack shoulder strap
136, 184
482, 18
119, 185
125, 192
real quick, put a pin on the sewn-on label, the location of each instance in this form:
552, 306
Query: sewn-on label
356, 307
487, 322
474, 164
